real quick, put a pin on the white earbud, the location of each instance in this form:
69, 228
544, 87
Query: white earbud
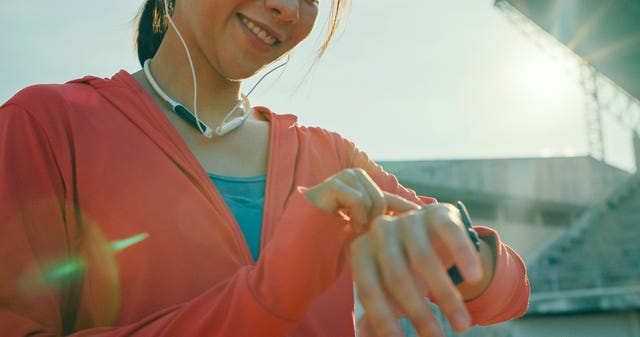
223, 129
227, 126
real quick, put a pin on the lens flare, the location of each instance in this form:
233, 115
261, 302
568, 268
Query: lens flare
120, 245
75, 265
60, 268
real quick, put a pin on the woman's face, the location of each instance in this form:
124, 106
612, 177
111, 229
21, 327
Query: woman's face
239, 37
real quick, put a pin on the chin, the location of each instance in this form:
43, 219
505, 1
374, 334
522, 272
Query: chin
240, 73
241, 76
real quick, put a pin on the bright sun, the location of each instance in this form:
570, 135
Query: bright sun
544, 79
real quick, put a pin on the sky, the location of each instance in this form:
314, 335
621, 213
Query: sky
407, 80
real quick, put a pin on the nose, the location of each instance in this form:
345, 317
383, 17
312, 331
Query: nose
284, 10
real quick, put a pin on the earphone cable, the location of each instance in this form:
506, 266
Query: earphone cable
198, 123
193, 70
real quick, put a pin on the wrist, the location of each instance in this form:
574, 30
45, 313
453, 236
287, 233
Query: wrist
487, 254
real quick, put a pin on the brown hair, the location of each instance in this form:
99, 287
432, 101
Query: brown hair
152, 25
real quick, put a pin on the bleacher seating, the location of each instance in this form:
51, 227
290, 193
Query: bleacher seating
600, 252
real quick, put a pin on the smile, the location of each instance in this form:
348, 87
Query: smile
263, 35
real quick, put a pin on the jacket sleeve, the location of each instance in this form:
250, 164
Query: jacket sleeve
37, 222
507, 295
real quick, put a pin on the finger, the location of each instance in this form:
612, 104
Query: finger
354, 202
330, 194
378, 309
378, 201
398, 204
360, 211
334, 196
426, 263
397, 278
447, 232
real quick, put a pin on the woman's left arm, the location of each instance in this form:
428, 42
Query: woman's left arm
503, 291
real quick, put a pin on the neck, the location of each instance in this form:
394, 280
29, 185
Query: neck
216, 95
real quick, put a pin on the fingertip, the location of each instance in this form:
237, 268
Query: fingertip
461, 321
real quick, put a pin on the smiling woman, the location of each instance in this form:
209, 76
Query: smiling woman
260, 230
150, 35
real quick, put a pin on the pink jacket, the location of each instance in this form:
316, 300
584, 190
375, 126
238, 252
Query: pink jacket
87, 165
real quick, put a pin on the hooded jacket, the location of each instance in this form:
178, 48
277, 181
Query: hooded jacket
109, 226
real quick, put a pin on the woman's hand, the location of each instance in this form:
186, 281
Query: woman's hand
401, 258
353, 193
398, 259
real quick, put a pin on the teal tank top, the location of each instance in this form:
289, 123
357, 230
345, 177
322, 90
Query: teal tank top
245, 198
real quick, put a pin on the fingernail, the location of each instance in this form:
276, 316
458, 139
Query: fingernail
461, 320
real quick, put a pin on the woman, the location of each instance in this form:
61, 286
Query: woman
162, 204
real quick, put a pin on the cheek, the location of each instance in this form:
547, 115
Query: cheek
305, 25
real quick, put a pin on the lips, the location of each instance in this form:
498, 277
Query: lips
259, 31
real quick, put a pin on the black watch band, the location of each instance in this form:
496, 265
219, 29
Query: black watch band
453, 272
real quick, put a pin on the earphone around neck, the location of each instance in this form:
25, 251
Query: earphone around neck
192, 118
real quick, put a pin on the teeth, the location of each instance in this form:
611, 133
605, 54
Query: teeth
261, 34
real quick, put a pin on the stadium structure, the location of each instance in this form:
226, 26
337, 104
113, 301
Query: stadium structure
574, 220
587, 281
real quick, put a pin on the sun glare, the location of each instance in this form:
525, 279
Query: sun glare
544, 79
